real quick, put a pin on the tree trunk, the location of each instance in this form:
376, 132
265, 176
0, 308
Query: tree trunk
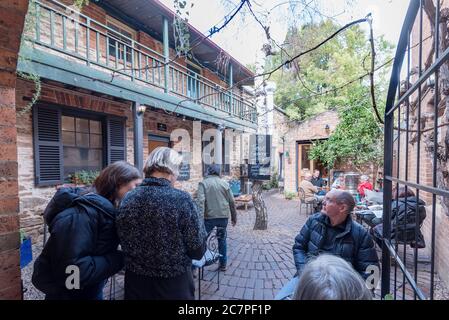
260, 207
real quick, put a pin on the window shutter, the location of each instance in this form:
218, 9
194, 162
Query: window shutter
48, 156
116, 139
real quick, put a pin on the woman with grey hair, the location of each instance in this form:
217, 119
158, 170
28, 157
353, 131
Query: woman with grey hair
329, 277
160, 233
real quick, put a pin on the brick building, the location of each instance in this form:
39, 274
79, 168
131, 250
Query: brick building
12, 16
112, 89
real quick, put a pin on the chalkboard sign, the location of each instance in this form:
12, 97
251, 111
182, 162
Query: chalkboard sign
259, 167
184, 169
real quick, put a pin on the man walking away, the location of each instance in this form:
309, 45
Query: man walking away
216, 205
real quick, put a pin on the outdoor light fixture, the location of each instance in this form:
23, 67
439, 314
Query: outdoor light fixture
141, 109
184, 118
326, 127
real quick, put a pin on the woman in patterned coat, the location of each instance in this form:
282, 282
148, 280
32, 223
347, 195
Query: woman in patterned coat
160, 233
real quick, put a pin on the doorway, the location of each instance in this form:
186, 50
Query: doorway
155, 141
305, 165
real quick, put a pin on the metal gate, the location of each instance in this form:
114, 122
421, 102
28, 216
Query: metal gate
414, 129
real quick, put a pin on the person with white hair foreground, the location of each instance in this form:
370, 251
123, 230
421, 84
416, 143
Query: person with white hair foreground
160, 233
329, 277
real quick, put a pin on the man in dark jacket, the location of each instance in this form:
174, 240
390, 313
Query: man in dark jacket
404, 212
83, 236
216, 205
333, 231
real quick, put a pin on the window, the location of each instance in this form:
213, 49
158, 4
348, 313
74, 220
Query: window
68, 140
82, 141
120, 40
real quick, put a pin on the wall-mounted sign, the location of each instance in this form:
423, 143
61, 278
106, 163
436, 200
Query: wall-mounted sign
259, 167
184, 169
162, 127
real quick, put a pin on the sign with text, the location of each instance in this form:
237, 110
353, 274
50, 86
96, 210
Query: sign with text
184, 169
259, 167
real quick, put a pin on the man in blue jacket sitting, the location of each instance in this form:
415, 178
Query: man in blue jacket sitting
333, 231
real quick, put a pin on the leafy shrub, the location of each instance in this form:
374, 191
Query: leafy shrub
289, 195
84, 177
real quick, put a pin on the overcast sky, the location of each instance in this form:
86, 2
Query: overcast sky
243, 37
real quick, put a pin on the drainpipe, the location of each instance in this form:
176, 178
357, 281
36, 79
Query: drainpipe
138, 112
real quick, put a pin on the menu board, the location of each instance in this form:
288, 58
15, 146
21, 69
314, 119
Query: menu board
259, 167
184, 169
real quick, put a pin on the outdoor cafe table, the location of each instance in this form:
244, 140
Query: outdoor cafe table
365, 215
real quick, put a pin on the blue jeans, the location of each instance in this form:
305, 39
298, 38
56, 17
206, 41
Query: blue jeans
209, 224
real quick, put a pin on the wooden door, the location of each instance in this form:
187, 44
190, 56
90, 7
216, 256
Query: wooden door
157, 141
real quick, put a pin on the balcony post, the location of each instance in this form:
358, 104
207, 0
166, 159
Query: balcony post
231, 83
138, 135
166, 53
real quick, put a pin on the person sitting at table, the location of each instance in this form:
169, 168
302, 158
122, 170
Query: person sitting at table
310, 191
339, 183
318, 182
333, 231
403, 219
364, 185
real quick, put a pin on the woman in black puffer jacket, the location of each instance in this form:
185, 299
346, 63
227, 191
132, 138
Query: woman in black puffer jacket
404, 219
83, 237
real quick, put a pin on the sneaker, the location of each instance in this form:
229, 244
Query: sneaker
223, 268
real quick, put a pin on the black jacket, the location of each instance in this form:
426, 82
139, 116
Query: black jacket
159, 229
404, 222
354, 244
83, 234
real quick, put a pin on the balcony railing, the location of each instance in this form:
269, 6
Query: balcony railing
64, 31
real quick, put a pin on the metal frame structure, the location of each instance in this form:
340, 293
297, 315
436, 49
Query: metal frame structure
398, 127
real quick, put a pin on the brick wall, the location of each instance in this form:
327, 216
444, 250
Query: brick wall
311, 129
12, 16
408, 160
34, 199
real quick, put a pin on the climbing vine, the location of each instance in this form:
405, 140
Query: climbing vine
30, 22
181, 27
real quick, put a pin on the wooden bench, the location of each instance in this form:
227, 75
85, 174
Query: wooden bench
244, 200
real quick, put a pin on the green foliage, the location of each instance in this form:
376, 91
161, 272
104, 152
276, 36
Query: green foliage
324, 80
23, 236
84, 177
289, 195
358, 137
388, 296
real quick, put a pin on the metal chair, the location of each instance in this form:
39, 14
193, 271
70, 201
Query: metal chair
310, 205
211, 256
